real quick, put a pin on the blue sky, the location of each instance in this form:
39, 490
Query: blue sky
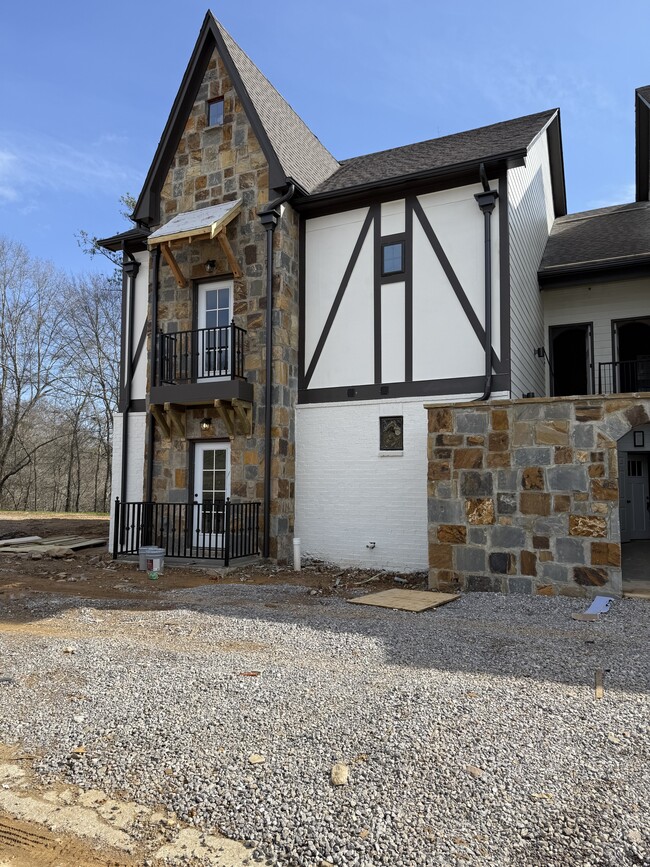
85, 89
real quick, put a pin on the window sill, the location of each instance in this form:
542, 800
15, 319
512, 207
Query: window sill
391, 454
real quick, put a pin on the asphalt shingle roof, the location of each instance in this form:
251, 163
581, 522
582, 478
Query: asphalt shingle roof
487, 142
611, 234
301, 154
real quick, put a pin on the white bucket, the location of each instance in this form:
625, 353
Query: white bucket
151, 559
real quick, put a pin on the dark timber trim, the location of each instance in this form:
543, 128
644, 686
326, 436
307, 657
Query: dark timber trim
377, 280
408, 291
432, 388
642, 145
138, 405
339, 296
302, 246
141, 342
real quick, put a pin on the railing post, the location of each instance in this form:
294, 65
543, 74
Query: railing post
232, 349
600, 377
226, 533
116, 528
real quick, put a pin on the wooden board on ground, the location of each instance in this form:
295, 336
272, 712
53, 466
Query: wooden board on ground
74, 543
407, 600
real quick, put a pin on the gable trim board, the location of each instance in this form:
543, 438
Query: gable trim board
404, 385
642, 143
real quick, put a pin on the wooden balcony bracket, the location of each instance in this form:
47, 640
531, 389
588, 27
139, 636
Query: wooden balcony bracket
173, 264
170, 418
237, 416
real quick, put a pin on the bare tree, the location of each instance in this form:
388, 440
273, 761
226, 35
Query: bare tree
31, 351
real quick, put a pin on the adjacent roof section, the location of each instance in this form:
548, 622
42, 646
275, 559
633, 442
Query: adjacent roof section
600, 241
292, 150
192, 224
642, 131
499, 140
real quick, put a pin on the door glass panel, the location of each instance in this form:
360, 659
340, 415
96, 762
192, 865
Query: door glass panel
217, 335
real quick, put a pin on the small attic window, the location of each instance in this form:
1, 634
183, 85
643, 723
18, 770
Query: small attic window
215, 112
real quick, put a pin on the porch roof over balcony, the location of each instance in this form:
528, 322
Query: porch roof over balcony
196, 224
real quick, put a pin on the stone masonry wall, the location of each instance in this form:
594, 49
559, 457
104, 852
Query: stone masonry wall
523, 494
214, 165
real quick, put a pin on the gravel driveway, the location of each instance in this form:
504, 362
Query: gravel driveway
471, 732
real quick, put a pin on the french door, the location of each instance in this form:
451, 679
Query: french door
211, 490
214, 315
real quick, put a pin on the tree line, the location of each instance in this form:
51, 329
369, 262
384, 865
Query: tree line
59, 357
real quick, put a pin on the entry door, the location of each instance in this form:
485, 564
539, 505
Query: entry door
571, 359
637, 495
211, 489
214, 315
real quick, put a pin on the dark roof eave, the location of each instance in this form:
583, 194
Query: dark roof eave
642, 148
512, 159
560, 274
131, 238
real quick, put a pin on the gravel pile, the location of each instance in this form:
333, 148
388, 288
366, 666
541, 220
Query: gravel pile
471, 733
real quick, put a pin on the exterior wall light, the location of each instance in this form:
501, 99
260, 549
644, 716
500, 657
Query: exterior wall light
206, 425
211, 266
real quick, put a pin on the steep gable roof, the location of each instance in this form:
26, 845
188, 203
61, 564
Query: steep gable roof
642, 141
292, 150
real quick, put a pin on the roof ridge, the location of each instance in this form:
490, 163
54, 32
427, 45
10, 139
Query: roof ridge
605, 211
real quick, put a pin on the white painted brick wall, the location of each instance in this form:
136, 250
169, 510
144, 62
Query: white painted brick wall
348, 493
135, 471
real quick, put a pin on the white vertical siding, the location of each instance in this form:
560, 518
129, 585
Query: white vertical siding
600, 304
530, 217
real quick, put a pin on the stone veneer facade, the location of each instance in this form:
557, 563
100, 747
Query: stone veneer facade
523, 494
213, 165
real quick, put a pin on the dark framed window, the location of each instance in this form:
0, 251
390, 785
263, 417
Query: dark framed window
391, 433
215, 112
392, 258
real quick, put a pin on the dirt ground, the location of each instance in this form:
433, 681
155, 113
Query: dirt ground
26, 839
93, 574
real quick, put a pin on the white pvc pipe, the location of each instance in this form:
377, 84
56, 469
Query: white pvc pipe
296, 555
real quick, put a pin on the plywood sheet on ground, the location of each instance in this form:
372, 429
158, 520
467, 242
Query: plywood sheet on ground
74, 543
407, 600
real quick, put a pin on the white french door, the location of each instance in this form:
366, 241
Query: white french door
214, 315
211, 489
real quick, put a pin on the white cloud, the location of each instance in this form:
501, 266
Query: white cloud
29, 165
620, 195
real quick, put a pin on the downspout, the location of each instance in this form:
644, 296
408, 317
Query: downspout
486, 202
130, 268
153, 367
269, 216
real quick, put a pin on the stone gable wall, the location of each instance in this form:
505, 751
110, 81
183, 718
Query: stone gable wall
523, 494
214, 165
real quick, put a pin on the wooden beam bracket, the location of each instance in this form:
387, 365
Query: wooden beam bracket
173, 264
161, 419
176, 416
244, 412
230, 256
225, 410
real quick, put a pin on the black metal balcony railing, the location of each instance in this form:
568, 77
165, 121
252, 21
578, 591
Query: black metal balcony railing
205, 353
222, 530
616, 377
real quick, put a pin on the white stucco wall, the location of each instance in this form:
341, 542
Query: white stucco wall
599, 304
349, 494
530, 217
135, 466
141, 300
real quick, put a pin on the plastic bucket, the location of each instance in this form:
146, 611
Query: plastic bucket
152, 559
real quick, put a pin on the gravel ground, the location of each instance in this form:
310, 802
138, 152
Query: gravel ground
471, 732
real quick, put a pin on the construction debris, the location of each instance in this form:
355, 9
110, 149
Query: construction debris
599, 686
600, 605
59, 547
407, 600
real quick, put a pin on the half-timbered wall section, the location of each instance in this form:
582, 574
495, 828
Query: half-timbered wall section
417, 330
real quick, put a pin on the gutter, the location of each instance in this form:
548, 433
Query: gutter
269, 216
487, 201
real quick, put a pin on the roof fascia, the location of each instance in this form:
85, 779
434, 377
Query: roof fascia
147, 209
460, 174
556, 159
135, 241
642, 148
594, 272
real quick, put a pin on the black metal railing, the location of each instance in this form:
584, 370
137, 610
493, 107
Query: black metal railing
205, 353
616, 377
221, 530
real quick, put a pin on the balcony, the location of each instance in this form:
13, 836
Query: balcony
221, 530
197, 367
617, 377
